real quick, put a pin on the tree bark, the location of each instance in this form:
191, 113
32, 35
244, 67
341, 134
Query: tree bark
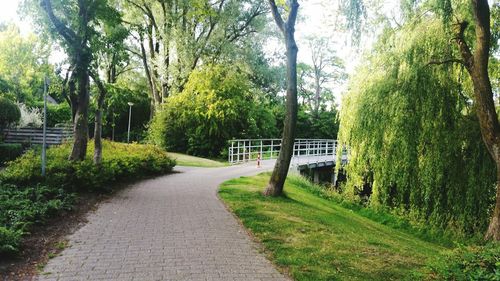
477, 66
280, 172
98, 119
81, 123
73, 98
317, 94
155, 97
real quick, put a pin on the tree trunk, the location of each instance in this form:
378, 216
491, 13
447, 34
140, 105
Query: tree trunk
477, 66
155, 97
317, 94
280, 172
73, 98
81, 123
98, 120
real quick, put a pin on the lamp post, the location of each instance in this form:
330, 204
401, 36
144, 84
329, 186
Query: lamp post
44, 142
130, 104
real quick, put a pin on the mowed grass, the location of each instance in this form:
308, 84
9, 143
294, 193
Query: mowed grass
193, 161
314, 239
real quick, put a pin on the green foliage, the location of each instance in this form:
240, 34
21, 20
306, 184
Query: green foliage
21, 208
9, 241
216, 105
23, 64
415, 144
467, 263
9, 152
56, 113
10, 113
129, 88
120, 162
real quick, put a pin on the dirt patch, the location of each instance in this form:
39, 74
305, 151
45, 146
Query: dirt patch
48, 240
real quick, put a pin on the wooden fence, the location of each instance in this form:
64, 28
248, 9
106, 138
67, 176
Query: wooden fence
35, 136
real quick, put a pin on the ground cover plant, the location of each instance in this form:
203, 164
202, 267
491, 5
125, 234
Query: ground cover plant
27, 198
313, 238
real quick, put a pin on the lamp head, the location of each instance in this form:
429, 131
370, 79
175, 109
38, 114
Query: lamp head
130, 103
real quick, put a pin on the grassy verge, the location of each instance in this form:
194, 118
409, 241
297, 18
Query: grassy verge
193, 161
313, 238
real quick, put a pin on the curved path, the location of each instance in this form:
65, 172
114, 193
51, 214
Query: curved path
169, 228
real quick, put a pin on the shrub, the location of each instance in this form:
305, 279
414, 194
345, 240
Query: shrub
9, 241
21, 208
467, 263
10, 113
30, 117
56, 113
9, 152
218, 103
120, 162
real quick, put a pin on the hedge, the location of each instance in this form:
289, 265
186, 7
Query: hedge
9, 152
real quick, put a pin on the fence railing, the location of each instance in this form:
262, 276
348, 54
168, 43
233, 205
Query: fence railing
243, 150
54, 135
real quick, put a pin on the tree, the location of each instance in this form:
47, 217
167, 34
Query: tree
326, 67
476, 62
78, 26
111, 59
75, 32
175, 37
413, 135
23, 64
218, 103
287, 28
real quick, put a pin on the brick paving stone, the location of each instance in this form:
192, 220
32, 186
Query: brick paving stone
169, 228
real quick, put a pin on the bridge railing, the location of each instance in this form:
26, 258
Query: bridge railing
244, 150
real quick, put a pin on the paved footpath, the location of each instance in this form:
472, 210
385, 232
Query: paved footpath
169, 228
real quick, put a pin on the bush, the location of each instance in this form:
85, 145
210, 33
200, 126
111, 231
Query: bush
120, 162
30, 116
9, 152
10, 113
218, 103
467, 263
9, 241
27, 198
21, 208
56, 113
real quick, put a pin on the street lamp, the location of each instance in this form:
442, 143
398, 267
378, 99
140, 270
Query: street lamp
130, 104
46, 83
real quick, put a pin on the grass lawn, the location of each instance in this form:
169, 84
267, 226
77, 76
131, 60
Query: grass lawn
192, 161
315, 239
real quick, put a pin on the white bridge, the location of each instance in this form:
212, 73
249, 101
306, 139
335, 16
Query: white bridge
307, 153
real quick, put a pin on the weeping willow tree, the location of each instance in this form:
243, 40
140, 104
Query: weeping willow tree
414, 138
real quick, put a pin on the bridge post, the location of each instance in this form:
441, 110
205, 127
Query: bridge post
272, 148
261, 145
238, 154
334, 178
231, 151
316, 175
